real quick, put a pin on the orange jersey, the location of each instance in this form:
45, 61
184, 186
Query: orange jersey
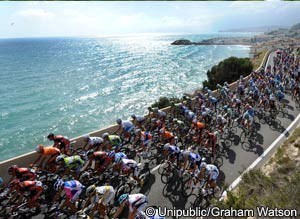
50, 151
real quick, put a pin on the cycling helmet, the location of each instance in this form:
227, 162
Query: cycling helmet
39, 148
58, 184
89, 152
111, 154
225, 107
203, 159
166, 146
59, 159
138, 131
203, 165
105, 135
51, 135
162, 130
194, 121
175, 120
119, 121
186, 153
86, 138
219, 116
123, 198
12, 169
90, 190
133, 116
84, 176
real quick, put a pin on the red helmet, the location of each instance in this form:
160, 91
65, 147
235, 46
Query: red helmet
12, 169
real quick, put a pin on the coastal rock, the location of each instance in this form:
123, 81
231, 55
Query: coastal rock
182, 42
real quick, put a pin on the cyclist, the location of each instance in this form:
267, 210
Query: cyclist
212, 138
138, 120
103, 196
135, 202
72, 163
72, 188
112, 142
221, 122
21, 173
192, 158
166, 136
92, 142
128, 166
171, 152
212, 173
61, 142
161, 115
125, 127
101, 158
144, 139
46, 152
213, 101
34, 187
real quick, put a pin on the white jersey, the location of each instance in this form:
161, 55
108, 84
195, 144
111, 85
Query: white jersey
128, 163
138, 201
95, 141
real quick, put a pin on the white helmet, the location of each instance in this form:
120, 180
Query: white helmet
104, 135
203, 165
166, 146
186, 154
86, 137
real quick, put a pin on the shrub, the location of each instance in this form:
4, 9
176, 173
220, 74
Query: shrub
165, 102
228, 70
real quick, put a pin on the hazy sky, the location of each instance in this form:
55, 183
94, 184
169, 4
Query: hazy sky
27, 19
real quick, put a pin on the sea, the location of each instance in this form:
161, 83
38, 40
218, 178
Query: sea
75, 85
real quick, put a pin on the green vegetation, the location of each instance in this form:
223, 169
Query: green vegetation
258, 58
280, 188
228, 70
165, 102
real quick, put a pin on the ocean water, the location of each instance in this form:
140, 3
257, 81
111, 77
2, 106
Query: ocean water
72, 86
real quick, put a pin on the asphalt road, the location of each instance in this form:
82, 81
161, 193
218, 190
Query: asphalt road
238, 156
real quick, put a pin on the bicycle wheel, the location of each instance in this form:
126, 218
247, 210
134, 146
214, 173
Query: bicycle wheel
218, 162
218, 192
200, 201
163, 166
187, 189
167, 176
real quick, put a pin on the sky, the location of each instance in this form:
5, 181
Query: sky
45, 19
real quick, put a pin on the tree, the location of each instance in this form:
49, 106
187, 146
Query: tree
228, 70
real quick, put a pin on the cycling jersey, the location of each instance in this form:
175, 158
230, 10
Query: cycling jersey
128, 164
212, 171
193, 157
140, 119
50, 151
161, 114
120, 155
34, 187
105, 193
62, 140
146, 137
137, 201
73, 188
95, 141
114, 140
25, 174
127, 126
173, 149
73, 162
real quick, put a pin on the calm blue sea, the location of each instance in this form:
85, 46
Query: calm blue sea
72, 86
